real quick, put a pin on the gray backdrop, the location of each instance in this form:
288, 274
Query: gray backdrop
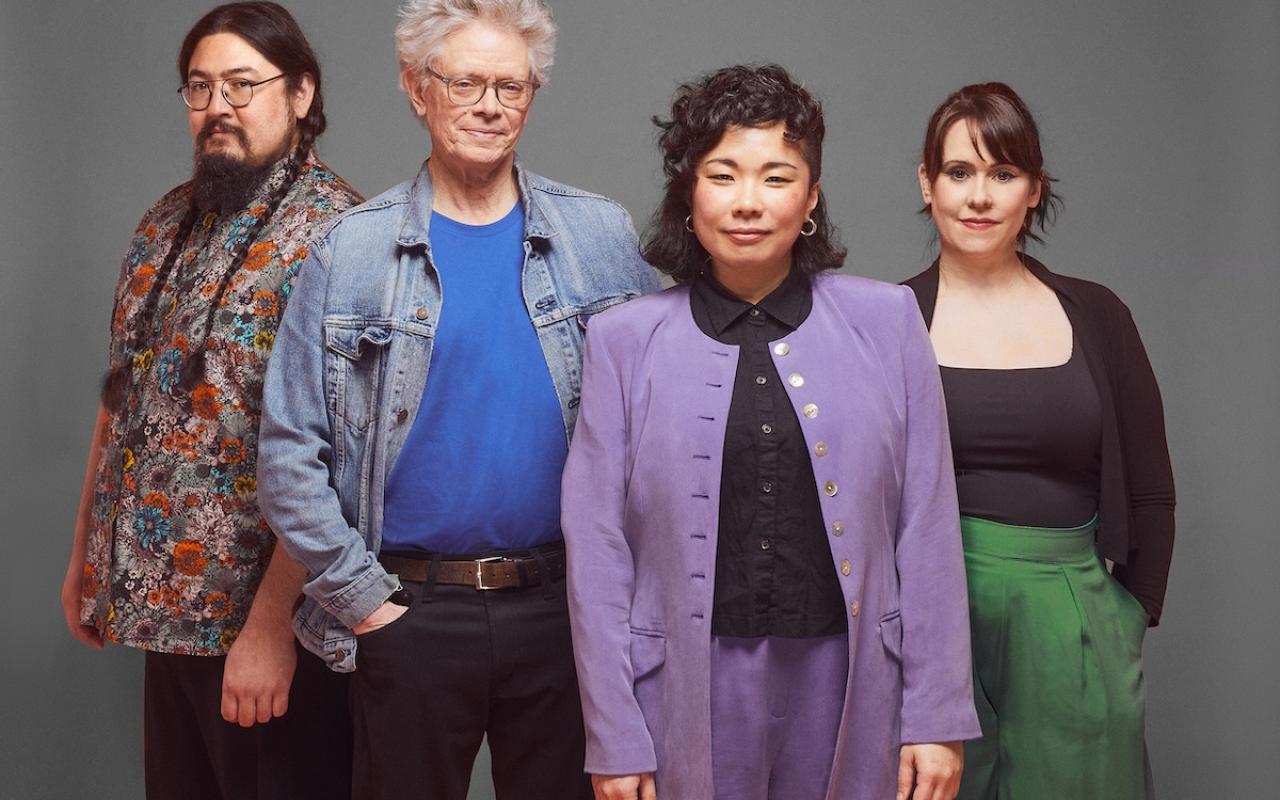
1160, 118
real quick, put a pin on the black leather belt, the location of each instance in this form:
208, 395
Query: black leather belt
489, 572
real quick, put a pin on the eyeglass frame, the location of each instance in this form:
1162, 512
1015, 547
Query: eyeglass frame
186, 87
534, 86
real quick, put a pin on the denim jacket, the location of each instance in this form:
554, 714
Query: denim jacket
350, 361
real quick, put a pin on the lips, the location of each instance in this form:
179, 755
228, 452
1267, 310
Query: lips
978, 223
746, 235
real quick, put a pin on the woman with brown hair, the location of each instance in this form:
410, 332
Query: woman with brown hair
1057, 434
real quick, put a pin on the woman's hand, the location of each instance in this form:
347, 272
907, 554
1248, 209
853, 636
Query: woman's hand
624, 787
933, 768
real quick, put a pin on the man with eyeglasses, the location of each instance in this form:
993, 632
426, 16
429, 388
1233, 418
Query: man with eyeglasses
418, 408
171, 553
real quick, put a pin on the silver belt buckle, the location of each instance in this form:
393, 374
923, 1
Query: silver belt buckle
480, 584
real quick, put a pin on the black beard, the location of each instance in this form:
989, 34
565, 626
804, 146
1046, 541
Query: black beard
225, 184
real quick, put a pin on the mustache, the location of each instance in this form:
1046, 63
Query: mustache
220, 126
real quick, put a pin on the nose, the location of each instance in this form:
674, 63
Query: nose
488, 104
979, 196
746, 200
218, 103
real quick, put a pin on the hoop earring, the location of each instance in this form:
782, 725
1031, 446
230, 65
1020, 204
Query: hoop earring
688, 223
811, 225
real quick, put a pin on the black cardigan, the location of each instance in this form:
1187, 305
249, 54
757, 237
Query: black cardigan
1135, 502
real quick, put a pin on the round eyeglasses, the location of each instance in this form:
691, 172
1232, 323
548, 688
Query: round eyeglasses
238, 92
467, 91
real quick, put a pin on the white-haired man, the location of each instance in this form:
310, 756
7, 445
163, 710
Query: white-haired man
412, 448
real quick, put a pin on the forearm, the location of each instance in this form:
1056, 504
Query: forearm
87, 488
278, 592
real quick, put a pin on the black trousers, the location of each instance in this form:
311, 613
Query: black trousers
429, 686
192, 753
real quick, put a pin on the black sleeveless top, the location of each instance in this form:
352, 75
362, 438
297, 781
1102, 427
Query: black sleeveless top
1026, 442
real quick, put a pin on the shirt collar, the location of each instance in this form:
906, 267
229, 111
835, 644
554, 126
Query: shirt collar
789, 304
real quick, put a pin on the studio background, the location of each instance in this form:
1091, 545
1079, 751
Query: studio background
1160, 119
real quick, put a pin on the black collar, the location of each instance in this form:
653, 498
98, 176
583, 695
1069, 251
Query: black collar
789, 304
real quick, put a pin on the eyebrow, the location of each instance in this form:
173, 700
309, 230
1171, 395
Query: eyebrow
226, 73
729, 162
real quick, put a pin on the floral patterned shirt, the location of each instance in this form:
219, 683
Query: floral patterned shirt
176, 544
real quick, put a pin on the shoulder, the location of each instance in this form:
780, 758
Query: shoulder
381, 214
570, 198
325, 188
1093, 303
169, 208
863, 296
638, 319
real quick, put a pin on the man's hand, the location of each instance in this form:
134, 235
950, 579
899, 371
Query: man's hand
933, 768
624, 787
258, 673
71, 588
383, 616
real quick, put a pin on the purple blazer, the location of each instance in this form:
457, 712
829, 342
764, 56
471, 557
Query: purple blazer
640, 515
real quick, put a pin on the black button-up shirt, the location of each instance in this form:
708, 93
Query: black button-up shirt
774, 573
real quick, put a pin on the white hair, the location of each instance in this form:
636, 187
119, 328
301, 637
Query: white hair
424, 25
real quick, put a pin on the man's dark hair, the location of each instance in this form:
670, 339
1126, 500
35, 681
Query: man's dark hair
273, 32
701, 112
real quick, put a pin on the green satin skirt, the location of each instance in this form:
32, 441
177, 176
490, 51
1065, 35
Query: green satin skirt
1057, 657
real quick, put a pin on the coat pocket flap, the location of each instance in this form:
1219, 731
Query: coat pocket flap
350, 342
891, 633
648, 652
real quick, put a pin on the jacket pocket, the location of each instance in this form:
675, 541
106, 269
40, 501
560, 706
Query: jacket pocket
648, 653
354, 352
891, 634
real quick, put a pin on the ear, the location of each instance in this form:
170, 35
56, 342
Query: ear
926, 190
416, 89
812, 202
303, 95
1033, 198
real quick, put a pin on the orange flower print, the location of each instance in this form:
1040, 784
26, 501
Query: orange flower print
205, 402
259, 255
228, 638
189, 559
217, 605
89, 581
157, 500
231, 451
142, 280
264, 303
245, 484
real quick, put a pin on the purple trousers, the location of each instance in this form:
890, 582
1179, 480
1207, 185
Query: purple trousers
775, 713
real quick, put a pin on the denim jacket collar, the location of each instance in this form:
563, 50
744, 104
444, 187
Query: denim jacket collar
417, 222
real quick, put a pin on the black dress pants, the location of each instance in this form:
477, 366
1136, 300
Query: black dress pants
429, 686
192, 753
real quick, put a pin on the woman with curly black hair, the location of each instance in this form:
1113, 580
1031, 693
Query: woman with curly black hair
765, 577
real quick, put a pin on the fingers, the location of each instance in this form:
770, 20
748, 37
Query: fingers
621, 787
906, 773
230, 704
648, 787
87, 634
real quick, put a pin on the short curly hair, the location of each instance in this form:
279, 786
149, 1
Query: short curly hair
701, 112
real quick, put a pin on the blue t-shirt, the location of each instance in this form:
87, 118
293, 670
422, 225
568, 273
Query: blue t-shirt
480, 470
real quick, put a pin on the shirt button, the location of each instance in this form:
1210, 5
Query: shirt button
795, 379
755, 312
782, 348
402, 416
766, 428
837, 528
761, 380
845, 567
810, 410
766, 487
422, 312
855, 608
830, 488
765, 544
820, 449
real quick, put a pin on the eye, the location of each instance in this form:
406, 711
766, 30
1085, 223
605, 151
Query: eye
198, 86
778, 180
238, 84
511, 87
1005, 175
720, 177
957, 173
464, 83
